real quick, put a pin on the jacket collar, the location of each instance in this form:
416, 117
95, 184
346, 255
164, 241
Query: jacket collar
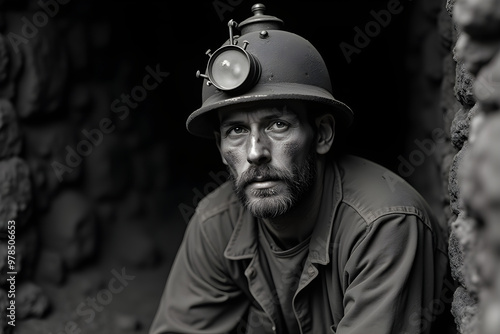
243, 241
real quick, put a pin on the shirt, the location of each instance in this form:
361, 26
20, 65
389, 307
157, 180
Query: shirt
283, 268
375, 264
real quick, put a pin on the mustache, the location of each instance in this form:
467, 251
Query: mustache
263, 173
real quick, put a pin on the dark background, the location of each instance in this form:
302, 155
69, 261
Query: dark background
177, 34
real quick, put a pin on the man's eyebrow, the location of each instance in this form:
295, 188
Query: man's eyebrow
280, 115
274, 115
228, 123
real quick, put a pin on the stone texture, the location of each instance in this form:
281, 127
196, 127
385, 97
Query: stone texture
42, 77
448, 101
479, 18
476, 123
454, 184
27, 246
15, 193
11, 66
490, 321
45, 144
475, 173
481, 177
69, 228
10, 138
464, 309
4, 61
460, 127
446, 163
474, 53
487, 85
463, 253
463, 86
42, 113
449, 6
456, 256
31, 301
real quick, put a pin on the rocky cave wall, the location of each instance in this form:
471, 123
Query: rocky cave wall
70, 168
456, 89
474, 174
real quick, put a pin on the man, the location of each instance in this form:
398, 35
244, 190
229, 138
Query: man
297, 241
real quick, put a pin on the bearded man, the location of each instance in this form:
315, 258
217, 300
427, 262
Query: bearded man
298, 240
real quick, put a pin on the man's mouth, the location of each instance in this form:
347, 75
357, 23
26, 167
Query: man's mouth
262, 182
265, 184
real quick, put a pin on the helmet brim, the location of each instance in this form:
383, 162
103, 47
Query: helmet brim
201, 122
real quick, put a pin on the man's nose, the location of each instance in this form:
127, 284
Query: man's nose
258, 151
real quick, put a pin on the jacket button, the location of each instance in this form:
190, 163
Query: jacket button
251, 272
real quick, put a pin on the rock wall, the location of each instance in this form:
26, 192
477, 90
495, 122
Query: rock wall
71, 171
454, 63
472, 72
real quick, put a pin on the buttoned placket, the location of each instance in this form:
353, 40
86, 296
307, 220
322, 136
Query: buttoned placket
263, 295
260, 290
299, 305
320, 242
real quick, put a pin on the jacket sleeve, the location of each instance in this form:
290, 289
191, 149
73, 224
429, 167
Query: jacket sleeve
199, 296
390, 279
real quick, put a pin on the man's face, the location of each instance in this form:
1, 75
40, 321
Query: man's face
270, 155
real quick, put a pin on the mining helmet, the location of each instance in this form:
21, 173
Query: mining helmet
264, 63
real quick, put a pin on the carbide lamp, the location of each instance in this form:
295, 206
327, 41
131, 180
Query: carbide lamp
231, 68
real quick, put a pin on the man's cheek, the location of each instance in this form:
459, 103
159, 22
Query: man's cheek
232, 158
232, 163
291, 149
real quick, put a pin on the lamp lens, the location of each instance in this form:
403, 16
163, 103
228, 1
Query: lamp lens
230, 69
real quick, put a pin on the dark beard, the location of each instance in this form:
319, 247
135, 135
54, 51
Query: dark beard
268, 203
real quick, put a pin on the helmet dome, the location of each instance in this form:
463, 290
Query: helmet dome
288, 68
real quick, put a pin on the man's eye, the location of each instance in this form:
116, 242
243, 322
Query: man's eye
279, 125
237, 130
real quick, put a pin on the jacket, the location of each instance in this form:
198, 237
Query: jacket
376, 263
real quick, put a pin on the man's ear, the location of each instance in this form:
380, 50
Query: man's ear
325, 125
217, 142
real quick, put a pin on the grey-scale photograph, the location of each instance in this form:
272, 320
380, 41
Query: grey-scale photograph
239, 167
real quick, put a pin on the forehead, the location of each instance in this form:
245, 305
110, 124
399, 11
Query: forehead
258, 112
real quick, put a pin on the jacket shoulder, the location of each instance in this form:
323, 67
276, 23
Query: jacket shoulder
217, 214
374, 191
216, 202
